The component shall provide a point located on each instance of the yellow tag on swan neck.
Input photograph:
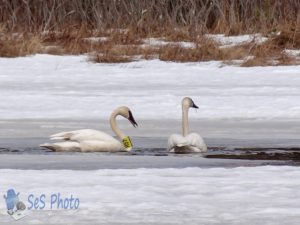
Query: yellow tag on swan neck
(127, 143)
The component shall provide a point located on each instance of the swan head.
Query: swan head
(125, 112)
(188, 103)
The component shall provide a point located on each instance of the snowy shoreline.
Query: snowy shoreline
(240, 195)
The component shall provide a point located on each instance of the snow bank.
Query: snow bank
(45, 86)
(259, 195)
(95, 39)
(160, 42)
(231, 41)
(292, 52)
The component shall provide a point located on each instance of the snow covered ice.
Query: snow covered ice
(55, 88)
(45, 86)
(243, 195)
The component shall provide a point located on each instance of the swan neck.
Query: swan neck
(185, 121)
(114, 126)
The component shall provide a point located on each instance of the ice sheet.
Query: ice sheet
(259, 195)
(46, 86)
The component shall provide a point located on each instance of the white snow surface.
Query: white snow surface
(292, 52)
(231, 41)
(47, 86)
(161, 42)
(241, 196)
(95, 39)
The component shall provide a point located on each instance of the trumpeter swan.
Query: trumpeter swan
(88, 140)
(187, 142)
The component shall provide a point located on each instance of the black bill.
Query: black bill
(132, 120)
(195, 106)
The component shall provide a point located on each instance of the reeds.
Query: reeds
(150, 16)
(64, 26)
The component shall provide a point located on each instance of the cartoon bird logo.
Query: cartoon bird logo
(13, 204)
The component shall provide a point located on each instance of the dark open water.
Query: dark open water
(230, 144)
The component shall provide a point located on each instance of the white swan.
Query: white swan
(186, 143)
(87, 140)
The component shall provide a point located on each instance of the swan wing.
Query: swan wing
(63, 146)
(101, 146)
(196, 142)
(176, 140)
(85, 140)
(190, 143)
(85, 146)
(82, 135)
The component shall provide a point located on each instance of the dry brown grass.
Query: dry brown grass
(204, 51)
(14, 45)
(272, 52)
(235, 53)
(60, 27)
(281, 60)
(129, 37)
(118, 50)
(176, 34)
(123, 53)
(287, 39)
(78, 42)
(225, 16)
(124, 45)
(110, 58)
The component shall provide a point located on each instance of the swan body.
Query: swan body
(88, 140)
(187, 142)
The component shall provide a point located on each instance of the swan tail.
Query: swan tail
(49, 146)
(57, 138)
(63, 146)
(61, 136)
(181, 144)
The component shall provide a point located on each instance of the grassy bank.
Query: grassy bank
(119, 29)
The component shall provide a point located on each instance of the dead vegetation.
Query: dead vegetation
(119, 47)
(119, 28)
(151, 16)
(272, 51)
(205, 50)
(19, 45)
